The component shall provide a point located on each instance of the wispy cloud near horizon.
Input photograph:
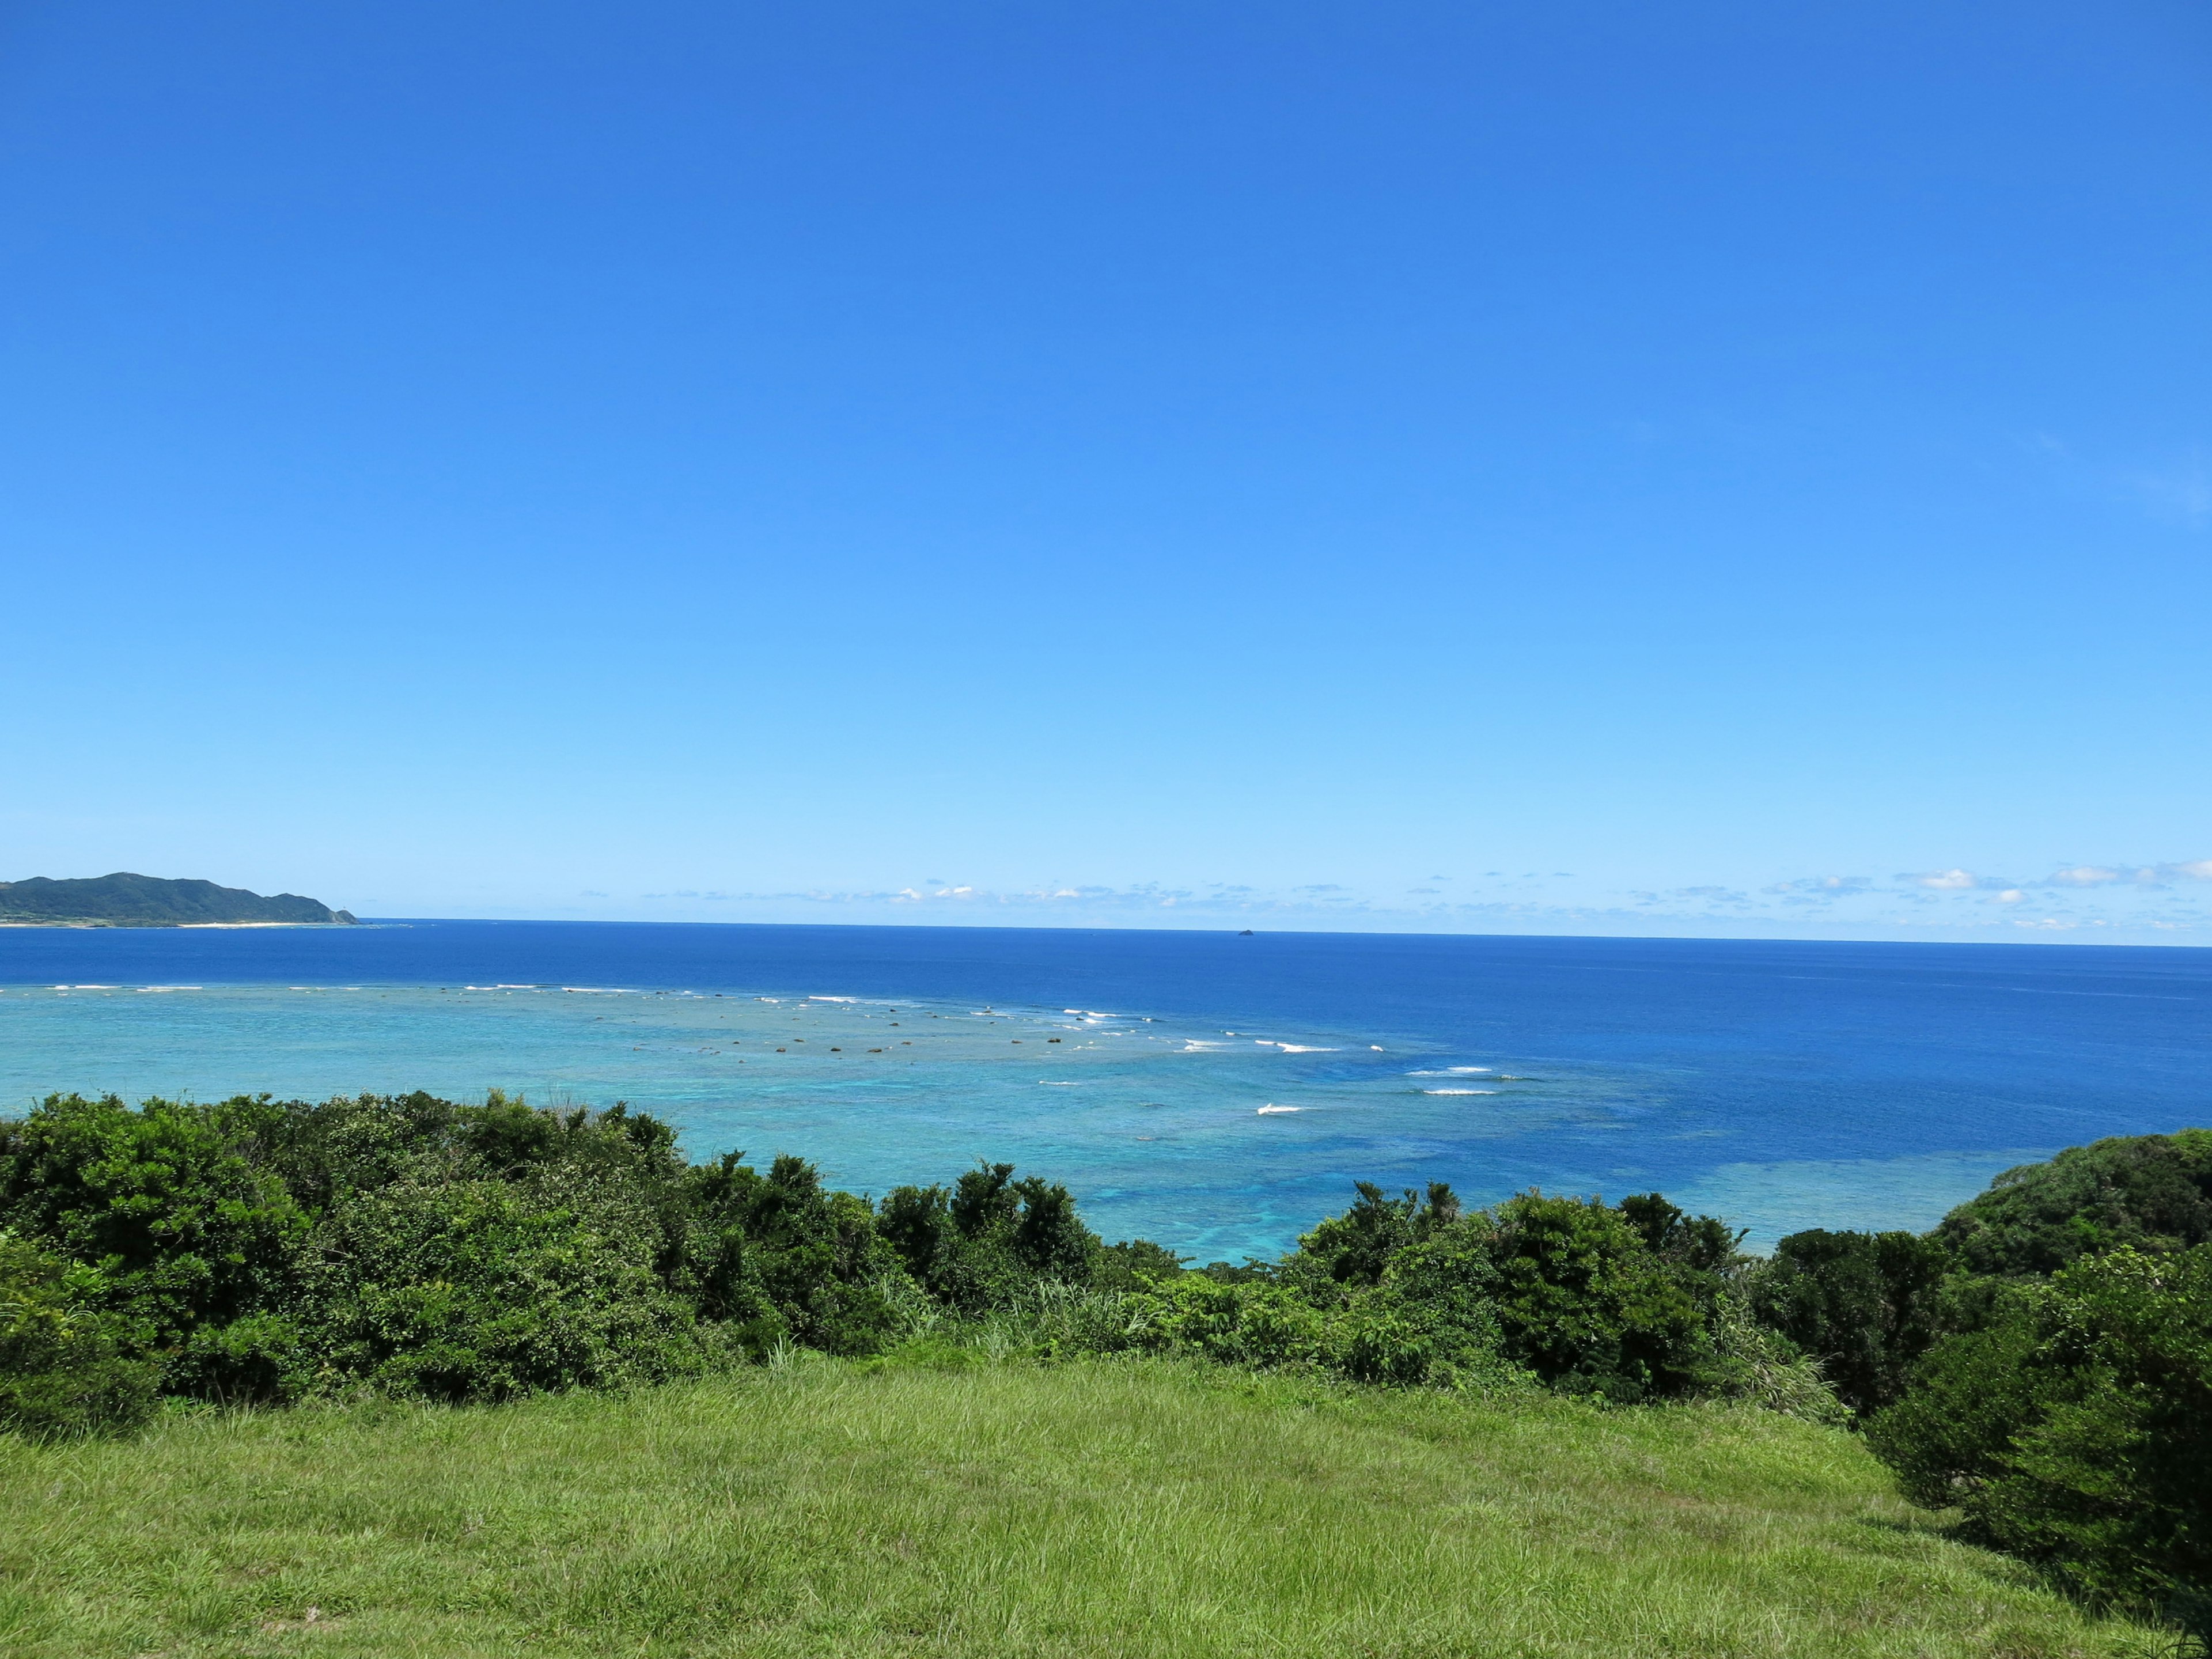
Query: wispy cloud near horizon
(2116, 899)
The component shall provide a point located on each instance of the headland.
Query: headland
(125, 900)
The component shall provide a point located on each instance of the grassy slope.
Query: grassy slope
(1122, 1508)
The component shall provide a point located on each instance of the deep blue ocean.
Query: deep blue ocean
(1217, 1092)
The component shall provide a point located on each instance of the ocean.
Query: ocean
(1217, 1092)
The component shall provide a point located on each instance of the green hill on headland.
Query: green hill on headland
(123, 900)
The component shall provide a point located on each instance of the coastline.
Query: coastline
(5, 922)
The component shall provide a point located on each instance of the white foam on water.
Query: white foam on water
(1270, 1109)
(195, 987)
(596, 990)
(833, 999)
(1459, 1092)
(95, 987)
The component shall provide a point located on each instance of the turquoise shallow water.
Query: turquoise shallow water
(1216, 1093)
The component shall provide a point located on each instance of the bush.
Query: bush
(1132, 1264)
(489, 1289)
(1864, 1306)
(1583, 1302)
(787, 1255)
(62, 1371)
(260, 1359)
(166, 1202)
(2076, 1431)
(1433, 1319)
(1355, 1249)
(2150, 1192)
(984, 1243)
(1751, 1362)
(1250, 1324)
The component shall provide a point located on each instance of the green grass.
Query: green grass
(1001, 1509)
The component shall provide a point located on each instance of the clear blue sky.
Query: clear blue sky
(1740, 468)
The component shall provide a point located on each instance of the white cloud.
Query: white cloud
(2158, 875)
(1807, 890)
(2146, 875)
(1944, 881)
(2085, 875)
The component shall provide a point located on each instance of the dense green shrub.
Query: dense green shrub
(1355, 1249)
(488, 1289)
(1258, 1325)
(170, 1202)
(1701, 1244)
(1864, 1305)
(980, 1244)
(1584, 1303)
(1132, 1263)
(2153, 1192)
(1413, 1291)
(1433, 1318)
(783, 1256)
(2077, 1430)
(63, 1370)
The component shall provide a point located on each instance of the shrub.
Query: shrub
(1434, 1317)
(1134, 1263)
(987, 1241)
(1257, 1325)
(62, 1371)
(259, 1359)
(1584, 1303)
(1864, 1305)
(2076, 1431)
(1355, 1249)
(1428, 1323)
(1701, 1244)
(488, 1289)
(166, 1202)
(2152, 1192)
(779, 1254)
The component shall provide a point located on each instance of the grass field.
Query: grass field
(826, 1508)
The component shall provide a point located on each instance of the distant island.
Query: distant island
(123, 900)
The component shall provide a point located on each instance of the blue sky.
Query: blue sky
(1713, 468)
